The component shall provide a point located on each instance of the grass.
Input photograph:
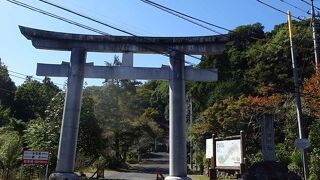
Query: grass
(199, 177)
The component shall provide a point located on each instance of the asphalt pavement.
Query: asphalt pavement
(158, 163)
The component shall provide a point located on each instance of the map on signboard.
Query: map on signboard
(228, 153)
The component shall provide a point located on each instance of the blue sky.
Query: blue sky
(131, 15)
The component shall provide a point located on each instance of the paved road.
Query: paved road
(157, 163)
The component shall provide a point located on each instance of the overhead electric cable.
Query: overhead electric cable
(306, 2)
(20, 77)
(87, 17)
(35, 78)
(24, 75)
(31, 77)
(183, 16)
(57, 17)
(296, 7)
(279, 10)
(7, 90)
(175, 12)
(118, 29)
(93, 29)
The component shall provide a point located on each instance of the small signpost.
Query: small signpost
(36, 158)
(226, 153)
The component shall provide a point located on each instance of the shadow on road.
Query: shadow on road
(156, 164)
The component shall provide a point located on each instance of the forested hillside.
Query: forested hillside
(121, 121)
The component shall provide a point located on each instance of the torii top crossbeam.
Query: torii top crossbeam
(198, 45)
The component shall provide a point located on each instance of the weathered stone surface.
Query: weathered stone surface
(127, 72)
(98, 43)
(63, 176)
(267, 138)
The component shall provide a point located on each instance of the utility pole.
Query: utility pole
(315, 37)
(297, 97)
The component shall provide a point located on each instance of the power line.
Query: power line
(179, 14)
(183, 16)
(7, 90)
(90, 28)
(175, 12)
(57, 17)
(306, 2)
(121, 30)
(103, 33)
(296, 7)
(279, 10)
(32, 77)
(100, 16)
(87, 17)
(25, 75)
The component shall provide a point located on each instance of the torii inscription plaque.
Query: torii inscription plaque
(78, 69)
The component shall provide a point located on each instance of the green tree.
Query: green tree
(115, 118)
(44, 133)
(90, 143)
(7, 88)
(32, 99)
(10, 152)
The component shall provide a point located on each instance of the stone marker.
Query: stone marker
(267, 138)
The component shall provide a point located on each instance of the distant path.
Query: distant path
(147, 170)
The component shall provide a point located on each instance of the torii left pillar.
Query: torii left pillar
(71, 117)
(177, 131)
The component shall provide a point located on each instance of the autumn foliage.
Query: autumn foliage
(311, 94)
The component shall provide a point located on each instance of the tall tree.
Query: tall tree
(33, 97)
(7, 88)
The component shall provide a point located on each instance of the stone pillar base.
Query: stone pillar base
(177, 178)
(63, 176)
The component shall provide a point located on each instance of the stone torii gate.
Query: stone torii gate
(78, 69)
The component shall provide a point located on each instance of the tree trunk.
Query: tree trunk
(7, 173)
(117, 143)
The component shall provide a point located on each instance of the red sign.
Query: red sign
(31, 161)
(35, 157)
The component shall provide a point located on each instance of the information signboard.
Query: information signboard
(35, 157)
(228, 153)
(209, 148)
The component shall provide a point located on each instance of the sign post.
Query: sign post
(36, 158)
(213, 174)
